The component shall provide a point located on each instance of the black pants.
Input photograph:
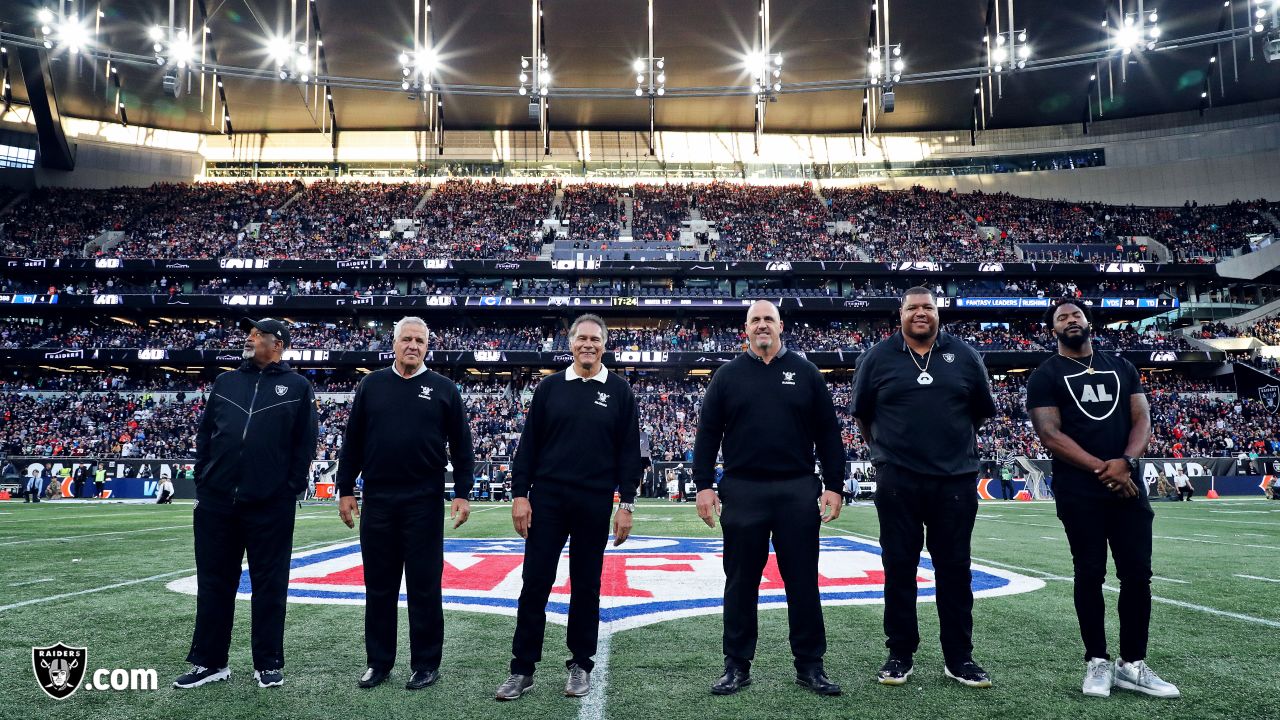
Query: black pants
(786, 511)
(1006, 489)
(223, 535)
(581, 517)
(402, 534)
(77, 488)
(907, 503)
(1185, 492)
(1125, 525)
(166, 498)
(97, 489)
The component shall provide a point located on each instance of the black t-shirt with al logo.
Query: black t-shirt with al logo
(1094, 409)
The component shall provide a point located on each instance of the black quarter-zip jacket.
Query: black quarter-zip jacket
(257, 436)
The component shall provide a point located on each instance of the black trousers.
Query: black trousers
(1125, 525)
(582, 518)
(224, 534)
(402, 535)
(166, 498)
(77, 488)
(754, 512)
(1006, 489)
(907, 503)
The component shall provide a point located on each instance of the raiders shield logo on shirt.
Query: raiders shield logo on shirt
(282, 389)
(1096, 393)
(1270, 397)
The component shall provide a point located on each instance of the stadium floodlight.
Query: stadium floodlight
(651, 79)
(1138, 31)
(63, 31)
(418, 65)
(279, 50)
(885, 65)
(1011, 52)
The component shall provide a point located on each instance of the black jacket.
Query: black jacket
(257, 436)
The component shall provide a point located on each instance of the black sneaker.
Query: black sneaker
(895, 671)
(199, 675)
(269, 678)
(968, 673)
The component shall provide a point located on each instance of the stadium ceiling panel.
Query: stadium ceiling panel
(591, 45)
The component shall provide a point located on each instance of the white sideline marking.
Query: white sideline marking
(1046, 537)
(77, 537)
(593, 704)
(32, 582)
(1015, 522)
(1204, 535)
(1204, 609)
(1048, 576)
(74, 517)
(1215, 542)
(63, 596)
(1255, 577)
(1172, 580)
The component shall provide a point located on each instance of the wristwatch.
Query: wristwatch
(1133, 463)
(628, 506)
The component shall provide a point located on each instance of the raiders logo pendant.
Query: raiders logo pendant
(925, 379)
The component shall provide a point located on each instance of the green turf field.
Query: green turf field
(95, 576)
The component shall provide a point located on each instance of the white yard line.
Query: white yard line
(32, 582)
(1015, 522)
(1167, 601)
(77, 537)
(161, 576)
(1256, 577)
(1215, 542)
(1172, 580)
(4, 523)
(593, 704)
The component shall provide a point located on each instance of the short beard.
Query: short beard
(1075, 342)
(919, 336)
(247, 355)
(764, 343)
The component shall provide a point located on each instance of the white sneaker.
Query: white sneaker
(1137, 676)
(1099, 675)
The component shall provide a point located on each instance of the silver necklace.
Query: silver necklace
(924, 378)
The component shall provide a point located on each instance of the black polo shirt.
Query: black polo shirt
(928, 429)
(1094, 407)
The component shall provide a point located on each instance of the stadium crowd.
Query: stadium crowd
(474, 219)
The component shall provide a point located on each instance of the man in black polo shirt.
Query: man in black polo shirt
(769, 408)
(581, 441)
(1091, 412)
(406, 423)
(919, 398)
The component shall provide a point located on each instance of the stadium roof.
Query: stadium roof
(591, 44)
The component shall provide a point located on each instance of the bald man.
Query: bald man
(769, 409)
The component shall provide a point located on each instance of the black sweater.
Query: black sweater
(398, 432)
(580, 433)
(769, 418)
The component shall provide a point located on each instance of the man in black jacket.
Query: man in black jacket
(581, 441)
(403, 419)
(770, 408)
(254, 448)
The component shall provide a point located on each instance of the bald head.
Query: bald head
(764, 328)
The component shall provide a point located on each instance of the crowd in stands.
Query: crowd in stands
(915, 224)
(482, 220)
(686, 336)
(657, 212)
(1267, 330)
(767, 222)
(487, 219)
(1186, 422)
(592, 211)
